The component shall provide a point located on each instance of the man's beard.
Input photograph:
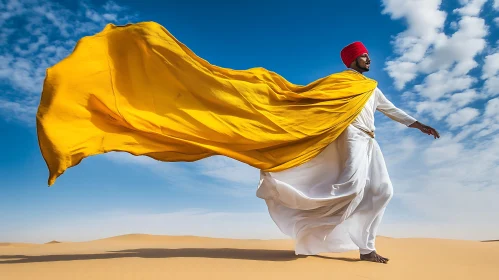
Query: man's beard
(358, 66)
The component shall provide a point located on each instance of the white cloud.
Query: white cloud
(424, 17)
(48, 32)
(462, 99)
(492, 109)
(93, 15)
(443, 150)
(472, 7)
(458, 50)
(17, 111)
(57, 16)
(438, 110)
(404, 150)
(438, 84)
(491, 66)
(491, 86)
(462, 117)
(456, 173)
(446, 83)
(30, 47)
(111, 6)
(441, 178)
(425, 23)
(424, 48)
(109, 17)
(401, 71)
(490, 72)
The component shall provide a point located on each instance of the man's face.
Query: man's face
(363, 62)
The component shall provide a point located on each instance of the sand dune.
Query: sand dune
(139, 256)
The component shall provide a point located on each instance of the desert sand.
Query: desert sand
(139, 256)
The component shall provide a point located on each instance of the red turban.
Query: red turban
(351, 52)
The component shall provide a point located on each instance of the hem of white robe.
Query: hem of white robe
(361, 251)
(311, 253)
(273, 195)
(308, 252)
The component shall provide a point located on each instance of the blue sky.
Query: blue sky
(437, 60)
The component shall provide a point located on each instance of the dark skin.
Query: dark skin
(362, 65)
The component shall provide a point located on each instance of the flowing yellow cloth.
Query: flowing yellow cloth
(137, 89)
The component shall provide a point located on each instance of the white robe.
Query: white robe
(335, 202)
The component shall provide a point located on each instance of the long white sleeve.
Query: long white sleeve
(386, 107)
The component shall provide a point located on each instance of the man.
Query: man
(336, 201)
(323, 176)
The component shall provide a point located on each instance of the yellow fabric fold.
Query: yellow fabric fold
(137, 89)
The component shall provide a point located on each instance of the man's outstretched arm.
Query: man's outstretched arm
(386, 107)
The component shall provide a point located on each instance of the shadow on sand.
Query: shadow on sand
(159, 253)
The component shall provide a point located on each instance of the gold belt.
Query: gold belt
(370, 133)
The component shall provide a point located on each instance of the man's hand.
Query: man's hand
(426, 129)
